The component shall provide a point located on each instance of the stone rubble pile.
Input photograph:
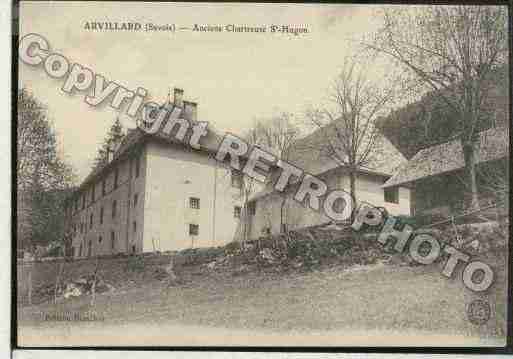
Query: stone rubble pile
(84, 286)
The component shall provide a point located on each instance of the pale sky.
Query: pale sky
(234, 77)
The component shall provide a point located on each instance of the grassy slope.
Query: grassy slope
(387, 299)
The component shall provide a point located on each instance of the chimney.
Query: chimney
(178, 97)
(190, 110)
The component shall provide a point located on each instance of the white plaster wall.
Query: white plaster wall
(368, 189)
(173, 175)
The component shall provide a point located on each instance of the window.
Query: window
(236, 179)
(136, 198)
(137, 166)
(252, 208)
(90, 248)
(194, 202)
(92, 193)
(91, 220)
(114, 208)
(134, 225)
(133, 249)
(392, 195)
(80, 250)
(116, 178)
(100, 239)
(193, 229)
(104, 187)
(83, 201)
(236, 211)
(101, 215)
(81, 227)
(112, 240)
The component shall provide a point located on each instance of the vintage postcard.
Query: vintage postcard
(261, 175)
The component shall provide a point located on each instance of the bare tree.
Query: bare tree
(278, 135)
(494, 175)
(347, 124)
(247, 185)
(453, 51)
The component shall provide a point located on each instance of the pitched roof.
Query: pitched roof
(447, 157)
(209, 143)
(309, 154)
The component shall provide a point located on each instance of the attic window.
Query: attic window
(392, 195)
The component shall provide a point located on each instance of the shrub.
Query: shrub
(135, 264)
(232, 248)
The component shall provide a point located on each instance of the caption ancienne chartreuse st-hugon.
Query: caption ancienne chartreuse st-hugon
(253, 161)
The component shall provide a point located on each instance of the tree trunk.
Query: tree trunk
(282, 214)
(471, 197)
(352, 187)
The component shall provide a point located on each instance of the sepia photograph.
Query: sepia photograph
(261, 175)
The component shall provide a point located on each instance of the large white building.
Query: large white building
(269, 208)
(157, 194)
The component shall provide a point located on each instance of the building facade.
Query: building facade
(156, 194)
(436, 174)
(269, 211)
